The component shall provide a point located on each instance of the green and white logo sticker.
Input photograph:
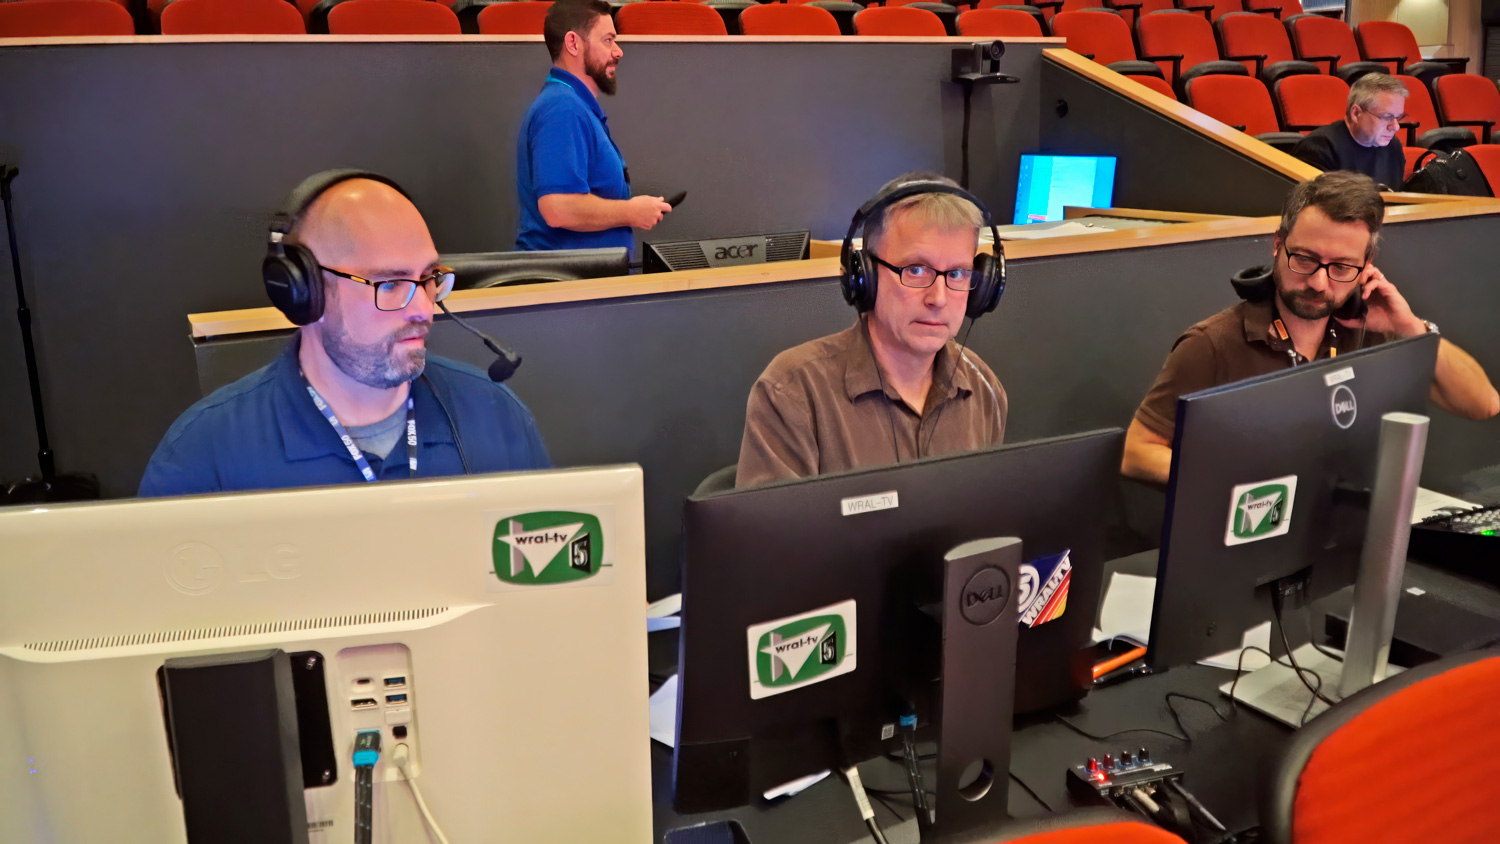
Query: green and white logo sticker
(1260, 510)
(800, 650)
(548, 548)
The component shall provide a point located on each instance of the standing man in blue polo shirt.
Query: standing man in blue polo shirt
(355, 396)
(573, 185)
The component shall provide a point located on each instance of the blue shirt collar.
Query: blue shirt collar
(306, 435)
(580, 89)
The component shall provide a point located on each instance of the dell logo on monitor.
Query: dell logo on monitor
(1344, 407)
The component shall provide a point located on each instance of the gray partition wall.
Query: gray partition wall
(1163, 164)
(149, 172)
(1076, 341)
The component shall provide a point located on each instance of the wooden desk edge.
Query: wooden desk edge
(223, 323)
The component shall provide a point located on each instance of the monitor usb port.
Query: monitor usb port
(395, 682)
(394, 699)
(362, 703)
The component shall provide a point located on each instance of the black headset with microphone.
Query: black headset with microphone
(294, 281)
(859, 274)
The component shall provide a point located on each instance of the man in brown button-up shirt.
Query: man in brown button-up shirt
(1329, 228)
(894, 386)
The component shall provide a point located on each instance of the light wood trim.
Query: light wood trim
(221, 323)
(1074, 212)
(71, 41)
(1238, 141)
(825, 248)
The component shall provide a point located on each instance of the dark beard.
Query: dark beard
(1316, 306)
(373, 365)
(600, 74)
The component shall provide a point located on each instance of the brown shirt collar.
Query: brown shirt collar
(861, 376)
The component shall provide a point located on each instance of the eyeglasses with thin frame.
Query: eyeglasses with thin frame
(1308, 265)
(922, 276)
(1385, 118)
(394, 294)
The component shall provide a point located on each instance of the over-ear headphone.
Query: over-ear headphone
(290, 270)
(1256, 284)
(859, 274)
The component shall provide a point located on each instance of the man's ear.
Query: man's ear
(1275, 244)
(573, 43)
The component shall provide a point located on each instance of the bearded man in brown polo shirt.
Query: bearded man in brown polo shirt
(894, 386)
(1322, 252)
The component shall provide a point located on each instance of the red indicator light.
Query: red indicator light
(1099, 776)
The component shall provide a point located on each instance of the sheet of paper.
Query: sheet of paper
(1127, 607)
(1429, 503)
(664, 712)
(670, 605)
(1259, 636)
(654, 624)
(787, 789)
(1061, 230)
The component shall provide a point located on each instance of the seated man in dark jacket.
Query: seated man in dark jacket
(355, 396)
(1365, 140)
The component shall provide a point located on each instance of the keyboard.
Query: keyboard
(1465, 541)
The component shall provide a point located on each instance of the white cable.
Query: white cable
(401, 757)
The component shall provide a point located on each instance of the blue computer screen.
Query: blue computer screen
(1048, 182)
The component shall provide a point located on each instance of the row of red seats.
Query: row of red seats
(41, 18)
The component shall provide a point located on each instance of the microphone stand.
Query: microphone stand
(50, 487)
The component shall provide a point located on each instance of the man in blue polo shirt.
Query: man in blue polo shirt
(573, 186)
(354, 396)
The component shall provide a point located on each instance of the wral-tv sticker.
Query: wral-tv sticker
(800, 650)
(1260, 510)
(549, 548)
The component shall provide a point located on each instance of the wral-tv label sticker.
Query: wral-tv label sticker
(1043, 595)
(550, 548)
(1260, 510)
(800, 650)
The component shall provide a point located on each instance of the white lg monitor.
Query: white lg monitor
(509, 608)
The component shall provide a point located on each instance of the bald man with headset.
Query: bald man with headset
(894, 386)
(355, 396)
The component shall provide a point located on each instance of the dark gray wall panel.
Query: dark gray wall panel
(1163, 165)
(149, 172)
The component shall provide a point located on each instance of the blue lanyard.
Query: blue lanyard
(348, 441)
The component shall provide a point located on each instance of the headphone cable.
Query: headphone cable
(952, 370)
(864, 321)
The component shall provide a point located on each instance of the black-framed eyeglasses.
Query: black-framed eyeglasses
(1385, 118)
(1308, 265)
(922, 276)
(393, 294)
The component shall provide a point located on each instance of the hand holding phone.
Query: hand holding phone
(676, 199)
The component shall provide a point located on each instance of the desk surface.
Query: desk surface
(1225, 754)
(219, 324)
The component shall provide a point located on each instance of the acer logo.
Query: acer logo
(724, 253)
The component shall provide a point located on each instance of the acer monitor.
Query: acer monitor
(1270, 482)
(1049, 182)
(491, 623)
(661, 257)
(846, 563)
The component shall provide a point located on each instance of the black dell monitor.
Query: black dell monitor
(480, 270)
(865, 545)
(1270, 484)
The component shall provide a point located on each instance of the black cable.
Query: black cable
(878, 797)
(875, 832)
(1082, 732)
(879, 376)
(1029, 790)
(963, 148)
(1286, 643)
(1307, 611)
(366, 754)
(952, 370)
(1207, 703)
(914, 775)
(1239, 670)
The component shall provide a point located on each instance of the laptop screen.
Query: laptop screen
(1048, 182)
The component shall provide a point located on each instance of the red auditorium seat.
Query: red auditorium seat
(1393, 43)
(1051, 8)
(998, 23)
(393, 17)
(1212, 9)
(877, 20)
(781, 19)
(657, 18)
(1427, 132)
(1464, 99)
(1278, 9)
(520, 17)
(1261, 43)
(1010, 5)
(1156, 84)
(1241, 102)
(1331, 42)
(1185, 42)
(231, 17)
(1425, 725)
(1082, 826)
(1104, 38)
(1307, 102)
(58, 18)
(1488, 156)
